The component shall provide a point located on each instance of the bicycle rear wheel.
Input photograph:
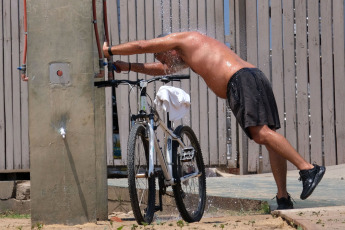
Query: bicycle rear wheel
(141, 187)
(190, 195)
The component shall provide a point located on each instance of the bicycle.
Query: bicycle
(182, 166)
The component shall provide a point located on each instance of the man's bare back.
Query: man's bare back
(209, 58)
(212, 60)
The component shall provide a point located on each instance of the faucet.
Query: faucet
(63, 132)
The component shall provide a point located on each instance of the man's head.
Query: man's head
(170, 57)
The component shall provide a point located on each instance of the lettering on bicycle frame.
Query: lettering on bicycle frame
(169, 144)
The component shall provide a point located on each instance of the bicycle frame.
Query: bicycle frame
(181, 159)
(164, 160)
(148, 120)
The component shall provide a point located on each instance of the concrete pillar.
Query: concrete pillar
(68, 176)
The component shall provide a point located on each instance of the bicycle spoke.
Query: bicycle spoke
(141, 187)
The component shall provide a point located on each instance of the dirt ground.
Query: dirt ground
(121, 221)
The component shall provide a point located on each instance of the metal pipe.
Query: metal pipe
(23, 67)
(110, 59)
(105, 17)
(100, 55)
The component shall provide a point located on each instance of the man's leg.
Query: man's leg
(278, 144)
(279, 170)
(310, 174)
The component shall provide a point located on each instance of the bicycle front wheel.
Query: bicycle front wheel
(141, 187)
(190, 194)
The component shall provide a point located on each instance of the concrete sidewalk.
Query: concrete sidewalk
(330, 191)
(317, 212)
(332, 217)
(324, 209)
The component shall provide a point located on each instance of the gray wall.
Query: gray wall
(68, 176)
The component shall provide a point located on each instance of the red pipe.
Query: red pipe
(100, 55)
(110, 59)
(23, 67)
(105, 14)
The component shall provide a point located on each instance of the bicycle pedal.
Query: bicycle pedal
(188, 148)
(187, 154)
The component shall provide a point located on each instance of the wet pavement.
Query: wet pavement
(329, 192)
(324, 209)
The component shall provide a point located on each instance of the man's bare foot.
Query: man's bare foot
(105, 50)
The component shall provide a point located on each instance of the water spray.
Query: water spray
(63, 132)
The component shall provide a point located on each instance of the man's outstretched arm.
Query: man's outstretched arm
(154, 69)
(156, 45)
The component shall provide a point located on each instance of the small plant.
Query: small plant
(134, 226)
(299, 228)
(265, 208)
(20, 227)
(159, 222)
(292, 223)
(38, 225)
(180, 223)
(144, 224)
(222, 226)
(10, 214)
(120, 228)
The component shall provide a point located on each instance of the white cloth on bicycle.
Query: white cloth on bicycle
(173, 100)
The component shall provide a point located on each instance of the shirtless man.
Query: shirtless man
(246, 88)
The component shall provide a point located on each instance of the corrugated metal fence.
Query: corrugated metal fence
(14, 140)
(282, 37)
(299, 45)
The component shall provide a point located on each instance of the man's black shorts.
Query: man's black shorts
(251, 99)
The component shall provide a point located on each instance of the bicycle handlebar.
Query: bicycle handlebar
(164, 79)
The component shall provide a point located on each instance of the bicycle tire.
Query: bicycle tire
(189, 201)
(141, 189)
